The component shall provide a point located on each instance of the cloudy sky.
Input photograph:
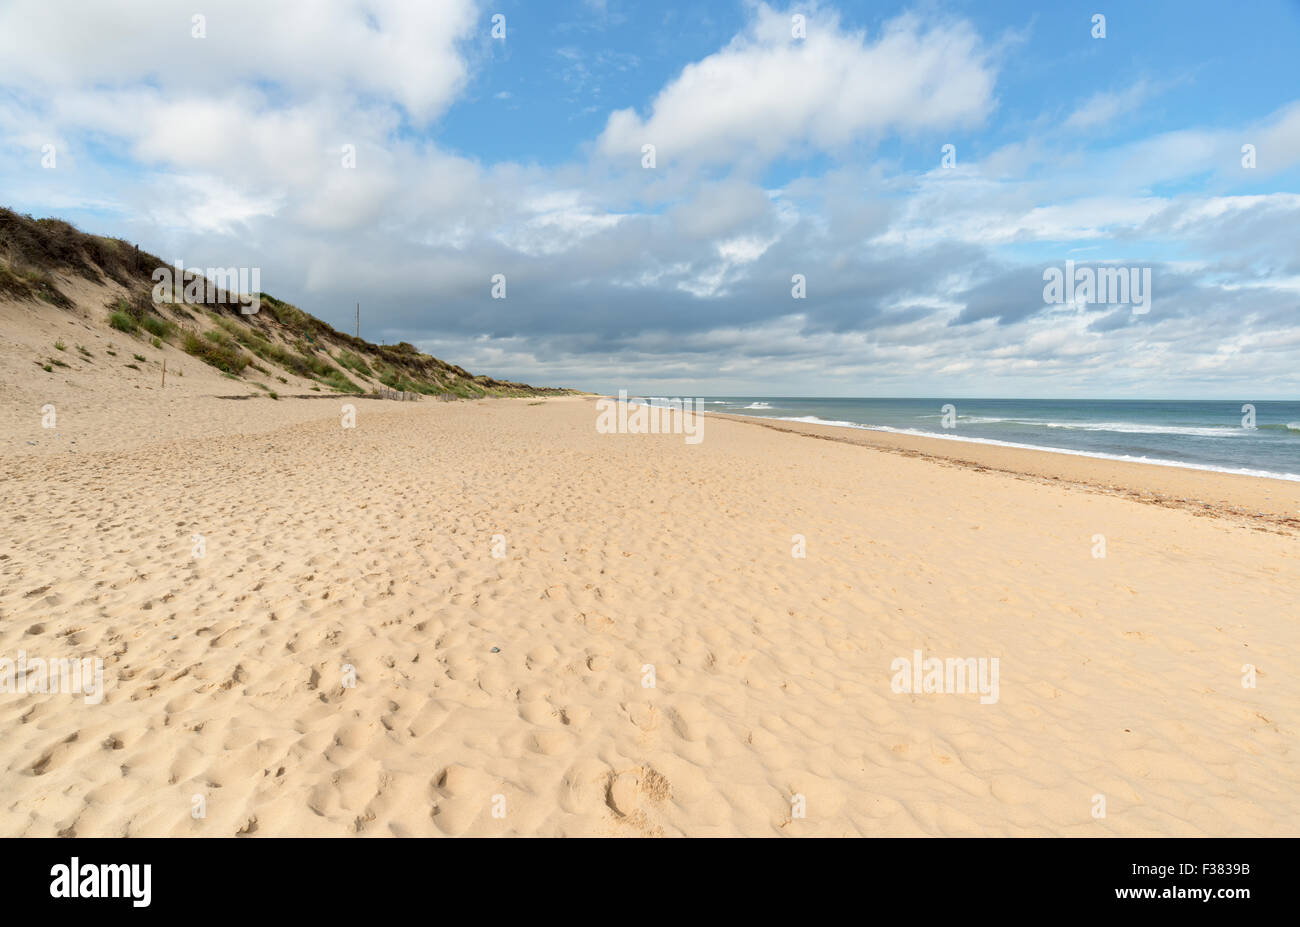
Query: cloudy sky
(775, 154)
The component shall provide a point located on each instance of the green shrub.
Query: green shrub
(303, 362)
(216, 351)
(60, 346)
(355, 362)
(338, 381)
(159, 328)
(122, 322)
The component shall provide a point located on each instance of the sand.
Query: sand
(507, 694)
(373, 547)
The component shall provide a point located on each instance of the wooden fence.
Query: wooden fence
(381, 392)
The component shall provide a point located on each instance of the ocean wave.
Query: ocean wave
(814, 420)
(1136, 428)
(759, 405)
(976, 419)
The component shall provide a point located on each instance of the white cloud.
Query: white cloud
(767, 94)
(399, 50)
(207, 204)
(1103, 108)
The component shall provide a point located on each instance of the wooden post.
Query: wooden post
(358, 320)
(164, 380)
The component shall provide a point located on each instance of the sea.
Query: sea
(1256, 438)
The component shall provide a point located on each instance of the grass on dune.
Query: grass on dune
(219, 351)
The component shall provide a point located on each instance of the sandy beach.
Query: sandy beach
(485, 618)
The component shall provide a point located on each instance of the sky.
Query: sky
(803, 229)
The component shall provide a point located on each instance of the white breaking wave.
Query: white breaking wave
(1136, 428)
(1204, 431)
(814, 420)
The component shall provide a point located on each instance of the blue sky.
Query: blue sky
(569, 69)
(776, 155)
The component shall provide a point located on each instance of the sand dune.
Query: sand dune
(506, 695)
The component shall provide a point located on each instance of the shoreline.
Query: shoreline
(1067, 451)
(1264, 503)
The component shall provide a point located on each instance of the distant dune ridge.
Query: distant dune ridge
(114, 283)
